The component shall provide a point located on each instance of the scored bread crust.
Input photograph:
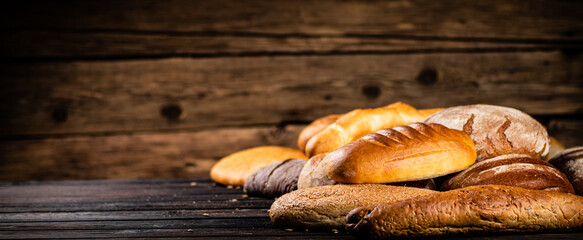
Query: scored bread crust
(404, 153)
(496, 130)
(327, 206)
(518, 170)
(235, 168)
(475, 209)
(360, 122)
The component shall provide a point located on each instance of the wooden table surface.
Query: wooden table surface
(178, 208)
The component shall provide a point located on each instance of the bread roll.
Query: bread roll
(327, 206)
(570, 162)
(475, 209)
(314, 173)
(313, 128)
(404, 153)
(517, 170)
(496, 130)
(360, 122)
(234, 169)
(275, 179)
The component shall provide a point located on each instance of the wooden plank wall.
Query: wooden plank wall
(162, 89)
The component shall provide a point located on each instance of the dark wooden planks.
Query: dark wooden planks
(136, 156)
(22, 217)
(550, 20)
(194, 94)
(231, 221)
(63, 45)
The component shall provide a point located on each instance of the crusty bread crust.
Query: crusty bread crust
(235, 168)
(313, 128)
(484, 208)
(404, 153)
(496, 130)
(516, 170)
(359, 122)
(327, 206)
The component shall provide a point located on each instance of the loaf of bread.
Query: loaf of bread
(314, 173)
(475, 209)
(359, 122)
(404, 153)
(327, 206)
(275, 179)
(555, 148)
(235, 168)
(517, 170)
(313, 128)
(496, 130)
(570, 162)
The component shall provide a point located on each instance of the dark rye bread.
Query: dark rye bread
(275, 179)
(327, 206)
(496, 130)
(517, 170)
(570, 162)
(475, 209)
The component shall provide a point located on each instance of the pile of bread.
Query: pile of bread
(401, 171)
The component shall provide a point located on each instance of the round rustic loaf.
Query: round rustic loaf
(235, 168)
(275, 179)
(496, 130)
(516, 170)
(570, 162)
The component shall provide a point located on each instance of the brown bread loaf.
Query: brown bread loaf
(404, 153)
(327, 206)
(555, 148)
(570, 162)
(235, 168)
(313, 128)
(359, 122)
(475, 209)
(275, 179)
(314, 173)
(496, 130)
(517, 170)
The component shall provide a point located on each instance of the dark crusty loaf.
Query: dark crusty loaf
(570, 162)
(404, 153)
(275, 179)
(327, 206)
(517, 170)
(496, 130)
(484, 208)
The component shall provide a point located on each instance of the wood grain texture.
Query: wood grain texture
(64, 45)
(152, 209)
(135, 156)
(193, 94)
(162, 155)
(539, 19)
